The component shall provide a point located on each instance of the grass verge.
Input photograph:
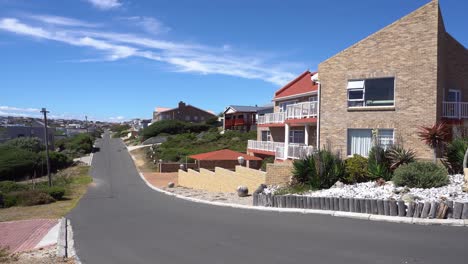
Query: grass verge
(78, 180)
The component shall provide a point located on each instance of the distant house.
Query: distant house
(183, 112)
(243, 118)
(36, 130)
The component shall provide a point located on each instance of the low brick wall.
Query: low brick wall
(435, 210)
(278, 173)
(174, 167)
(222, 180)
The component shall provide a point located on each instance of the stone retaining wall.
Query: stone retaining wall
(434, 210)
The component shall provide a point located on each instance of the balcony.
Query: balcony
(301, 110)
(295, 151)
(273, 118)
(456, 110)
(264, 145)
(294, 111)
(299, 151)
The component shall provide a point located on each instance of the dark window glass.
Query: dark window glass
(356, 94)
(380, 92)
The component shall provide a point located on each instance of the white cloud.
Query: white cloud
(148, 24)
(18, 109)
(105, 4)
(117, 118)
(61, 21)
(181, 57)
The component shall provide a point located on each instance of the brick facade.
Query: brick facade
(183, 112)
(423, 59)
(278, 173)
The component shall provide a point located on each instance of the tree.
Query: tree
(32, 144)
(435, 136)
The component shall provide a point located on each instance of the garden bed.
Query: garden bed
(371, 190)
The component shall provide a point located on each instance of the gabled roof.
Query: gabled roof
(301, 85)
(224, 154)
(162, 109)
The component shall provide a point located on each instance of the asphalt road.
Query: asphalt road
(121, 220)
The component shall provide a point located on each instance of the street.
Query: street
(121, 220)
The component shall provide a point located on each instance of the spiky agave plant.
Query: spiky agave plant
(397, 156)
(455, 155)
(435, 136)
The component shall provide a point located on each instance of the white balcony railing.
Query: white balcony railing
(264, 145)
(457, 110)
(272, 118)
(299, 151)
(301, 110)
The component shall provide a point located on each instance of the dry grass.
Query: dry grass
(76, 189)
(141, 161)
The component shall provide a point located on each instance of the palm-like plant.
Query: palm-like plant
(397, 156)
(435, 136)
(455, 155)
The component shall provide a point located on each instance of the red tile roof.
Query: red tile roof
(224, 154)
(302, 84)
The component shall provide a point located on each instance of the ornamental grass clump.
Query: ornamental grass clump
(421, 175)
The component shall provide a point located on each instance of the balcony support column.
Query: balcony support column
(306, 134)
(286, 140)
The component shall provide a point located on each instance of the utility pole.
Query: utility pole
(46, 140)
(86, 118)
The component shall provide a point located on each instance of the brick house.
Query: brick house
(183, 112)
(290, 131)
(243, 118)
(411, 73)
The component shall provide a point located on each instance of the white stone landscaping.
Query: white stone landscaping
(370, 190)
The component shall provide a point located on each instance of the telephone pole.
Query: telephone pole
(46, 140)
(86, 118)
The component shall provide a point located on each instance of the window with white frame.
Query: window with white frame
(360, 140)
(284, 105)
(296, 136)
(313, 98)
(371, 92)
(266, 135)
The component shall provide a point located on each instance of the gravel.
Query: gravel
(370, 190)
(232, 198)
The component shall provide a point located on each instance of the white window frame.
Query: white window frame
(285, 104)
(291, 136)
(353, 85)
(348, 150)
(268, 136)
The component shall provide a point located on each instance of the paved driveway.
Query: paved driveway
(121, 220)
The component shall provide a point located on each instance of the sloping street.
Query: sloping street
(121, 220)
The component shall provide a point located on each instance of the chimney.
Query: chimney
(181, 105)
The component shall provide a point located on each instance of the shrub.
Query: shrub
(29, 198)
(421, 175)
(1, 200)
(11, 186)
(56, 192)
(435, 136)
(172, 127)
(397, 156)
(265, 161)
(58, 160)
(16, 163)
(32, 144)
(319, 170)
(377, 165)
(454, 155)
(356, 169)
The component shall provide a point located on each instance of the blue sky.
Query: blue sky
(118, 59)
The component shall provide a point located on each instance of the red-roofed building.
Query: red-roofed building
(290, 131)
(225, 158)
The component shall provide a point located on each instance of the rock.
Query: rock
(393, 207)
(425, 210)
(171, 185)
(401, 208)
(457, 210)
(433, 211)
(411, 209)
(449, 209)
(380, 207)
(260, 188)
(465, 188)
(407, 198)
(242, 191)
(338, 184)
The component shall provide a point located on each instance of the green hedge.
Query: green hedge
(172, 127)
(28, 198)
(16, 163)
(356, 169)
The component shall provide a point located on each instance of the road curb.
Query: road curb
(381, 218)
(65, 242)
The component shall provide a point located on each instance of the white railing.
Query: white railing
(455, 109)
(264, 145)
(301, 110)
(299, 151)
(272, 118)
